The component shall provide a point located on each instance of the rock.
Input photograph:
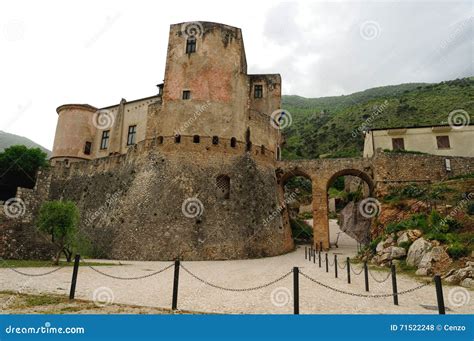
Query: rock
(422, 272)
(379, 247)
(396, 262)
(354, 224)
(384, 257)
(467, 283)
(403, 238)
(397, 252)
(388, 242)
(414, 234)
(453, 279)
(471, 264)
(416, 251)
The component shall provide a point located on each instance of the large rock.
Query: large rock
(468, 283)
(397, 252)
(403, 238)
(355, 224)
(416, 251)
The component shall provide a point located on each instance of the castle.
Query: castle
(195, 171)
(202, 180)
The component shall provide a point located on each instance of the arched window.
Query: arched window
(223, 186)
(196, 139)
(191, 45)
(177, 138)
(215, 140)
(233, 142)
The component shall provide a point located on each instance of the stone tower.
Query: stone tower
(188, 173)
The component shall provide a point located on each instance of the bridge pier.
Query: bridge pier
(320, 214)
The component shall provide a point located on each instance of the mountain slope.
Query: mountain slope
(7, 140)
(332, 125)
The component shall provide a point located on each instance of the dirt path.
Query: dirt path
(156, 291)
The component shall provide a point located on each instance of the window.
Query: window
(278, 154)
(177, 138)
(87, 148)
(186, 94)
(160, 139)
(104, 142)
(215, 140)
(132, 135)
(398, 144)
(191, 45)
(443, 142)
(223, 186)
(258, 91)
(233, 142)
(196, 139)
(262, 150)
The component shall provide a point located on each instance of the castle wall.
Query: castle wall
(132, 204)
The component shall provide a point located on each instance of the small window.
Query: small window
(215, 140)
(278, 154)
(191, 45)
(104, 142)
(132, 135)
(258, 91)
(177, 138)
(233, 142)
(223, 186)
(262, 150)
(443, 142)
(186, 94)
(87, 148)
(160, 139)
(196, 139)
(398, 144)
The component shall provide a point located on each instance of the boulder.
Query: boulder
(388, 242)
(354, 224)
(403, 238)
(434, 260)
(414, 234)
(416, 251)
(379, 247)
(422, 272)
(397, 252)
(467, 283)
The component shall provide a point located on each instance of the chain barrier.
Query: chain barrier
(330, 264)
(378, 280)
(341, 265)
(30, 275)
(129, 278)
(356, 273)
(363, 295)
(234, 289)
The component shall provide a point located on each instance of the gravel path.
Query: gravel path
(156, 291)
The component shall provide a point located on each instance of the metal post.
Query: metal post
(439, 295)
(309, 254)
(296, 291)
(72, 293)
(314, 256)
(348, 260)
(319, 258)
(174, 304)
(366, 273)
(335, 266)
(321, 245)
(327, 263)
(305, 252)
(394, 284)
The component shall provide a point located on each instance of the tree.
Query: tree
(18, 167)
(59, 219)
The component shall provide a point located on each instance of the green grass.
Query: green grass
(13, 263)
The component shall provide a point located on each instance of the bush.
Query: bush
(457, 250)
(373, 244)
(412, 191)
(405, 245)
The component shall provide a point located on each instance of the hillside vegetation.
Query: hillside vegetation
(8, 140)
(331, 126)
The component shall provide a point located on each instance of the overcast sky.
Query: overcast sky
(97, 52)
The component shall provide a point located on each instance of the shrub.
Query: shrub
(412, 191)
(373, 244)
(457, 250)
(405, 245)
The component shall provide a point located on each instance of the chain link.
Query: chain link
(35, 275)
(233, 289)
(343, 266)
(356, 273)
(130, 278)
(380, 281)
(363, 295)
